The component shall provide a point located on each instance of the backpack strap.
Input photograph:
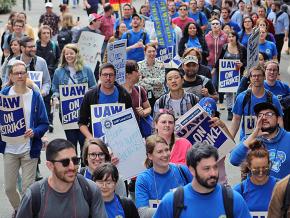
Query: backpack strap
(269, 96)
(144, 37)
(162, 101)
(83, 171)
(193, 100)
(228, 200)
(128, 206)
(204, 80)
(35, 199)
(242, 189)
(178, 202)
(182, 173)
(53, 47)
(86, 191)
(286, 200)
(246, 99)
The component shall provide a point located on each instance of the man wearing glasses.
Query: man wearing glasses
(275, 138)
(63, 193)
(183, 18)
(108, 91)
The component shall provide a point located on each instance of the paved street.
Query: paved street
(33, 17)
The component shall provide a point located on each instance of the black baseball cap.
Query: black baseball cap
(264, 106)
(136, 15)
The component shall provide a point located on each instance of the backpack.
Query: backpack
(228, 200)
(143, 37)
(162, 100)
(36, 195)
(64, 37)
(286, 200)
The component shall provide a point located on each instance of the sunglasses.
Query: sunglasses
(166, 111)
(260, 171)
(65, 162)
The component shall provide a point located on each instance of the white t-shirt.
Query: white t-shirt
(176, 107)
(27, 100)
(72, 73)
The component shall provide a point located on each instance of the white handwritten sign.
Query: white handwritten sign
(36, 77)
(71, 97)
(12, 119)
(90, 45)
(124, 137)
(194, 125)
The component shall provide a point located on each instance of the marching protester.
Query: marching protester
(126, 18)
(198, 16)
(194, 198)
(65, 34)
(96, 152)
(72, 71)
(171, 7)
(243, 110)
(225, 18)
(176, 100)
(106, 176)
(273, 136)
(182, 20)
(92, 6)
(256, 184)
(23, 155)
(263, 15)
(62, 188)
(159, 178)
(28, 30)
(262, 24)
(266, 47)
(108, 91)
(247, 29)
(152, 74)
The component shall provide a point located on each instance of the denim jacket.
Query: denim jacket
(62, 77)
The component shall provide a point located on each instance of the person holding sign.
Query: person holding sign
(257, 186)
(108, 91)
(22, 154)
(72, 71)
(267, 47)
(106, 177)
(159, 178)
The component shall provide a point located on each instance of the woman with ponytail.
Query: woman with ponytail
(159, 178)
(257, 186)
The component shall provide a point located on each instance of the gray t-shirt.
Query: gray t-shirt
(71, 204)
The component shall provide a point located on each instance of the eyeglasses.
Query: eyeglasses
(65, 162)
(93, 155)
(267, 114)
(182, 9)
(260, 171)
(31, 46)
(22, 73)
(19, 26)
(247, 21)
(272, 70)
(106, 75)
(257, 75)
(215, 24)
(108, 184)
(166, 111)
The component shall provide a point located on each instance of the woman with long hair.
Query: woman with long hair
(65, 34)
(262, 23)
(159, 178)
(235, 51)
(267, 47)
(247, 30)
(193, 38)
(257, 186)
(71, 71)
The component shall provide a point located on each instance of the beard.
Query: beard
(270, 129)
(204, 182)
(61, 175)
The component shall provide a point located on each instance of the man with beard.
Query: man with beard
(203, 196)
(245, 102)
(275, 138)
(136, 40)
(194, 83)
(63, 193)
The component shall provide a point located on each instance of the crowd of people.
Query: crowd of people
(181, 179)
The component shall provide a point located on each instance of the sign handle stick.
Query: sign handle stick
(120, 7)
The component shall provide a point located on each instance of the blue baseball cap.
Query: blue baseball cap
(209, 105)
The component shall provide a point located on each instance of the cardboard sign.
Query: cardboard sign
(124, 137)
(100, 111)
(253, 49)
(149, 28)
(12, 119)
(165, 54)
(194, 125)
(117, 56)
(90, 45)
(36, 77)
(160, 17)
(229, 76)
(71, 98)
(259, 214)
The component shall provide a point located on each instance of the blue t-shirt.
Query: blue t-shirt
(269, 48)
(127, 21)
(257, 197)
(136, 54)
(112, 98)
(151, 185)
(202, 205)
(249, 116)
(244, 38)
(114, 208)
(280, 89)
(234, 26)
(193, 43)
(199, 17)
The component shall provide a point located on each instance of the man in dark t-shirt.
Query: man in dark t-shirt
(194, 83)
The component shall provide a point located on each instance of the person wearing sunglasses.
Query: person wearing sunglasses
(96, 152)
(106, 177)
(64, 193)
(160, 177)
(274, 137)
(182, 20)
(23, 155)
(257, 186)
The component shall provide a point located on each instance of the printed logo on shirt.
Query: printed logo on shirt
(249, 125)
(277, 158)
(154, 203)
(222, 216)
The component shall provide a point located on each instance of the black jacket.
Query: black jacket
(129, 207)
(92, 97)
